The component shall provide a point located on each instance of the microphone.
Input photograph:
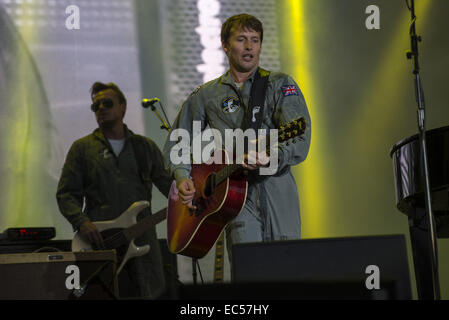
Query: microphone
(146, 103)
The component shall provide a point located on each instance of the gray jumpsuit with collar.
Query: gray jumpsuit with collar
(271, 211)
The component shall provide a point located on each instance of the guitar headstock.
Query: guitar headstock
(292, 129)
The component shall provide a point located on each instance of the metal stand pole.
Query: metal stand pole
(194, 270)
(413, 54)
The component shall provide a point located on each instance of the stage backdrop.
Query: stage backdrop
(357, 83)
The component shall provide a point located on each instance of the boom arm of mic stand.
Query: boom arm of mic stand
(165, 124)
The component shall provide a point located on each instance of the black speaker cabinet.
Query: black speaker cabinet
(35, 246)
(373, 267)
(44, 275)
(169, 260)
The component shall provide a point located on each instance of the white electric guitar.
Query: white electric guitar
(119, 234)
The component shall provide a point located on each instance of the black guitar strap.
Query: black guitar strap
(254, 121)
(254, 116)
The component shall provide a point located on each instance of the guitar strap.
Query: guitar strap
(254, 121)
(254, 115)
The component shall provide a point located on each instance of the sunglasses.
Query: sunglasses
(107, 103)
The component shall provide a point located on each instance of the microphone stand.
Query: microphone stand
(82, 289)
(413, 55)
(194, 261)
(166, 126)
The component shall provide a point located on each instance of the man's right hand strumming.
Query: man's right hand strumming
(186, 190)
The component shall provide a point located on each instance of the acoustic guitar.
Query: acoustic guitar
(220, 196)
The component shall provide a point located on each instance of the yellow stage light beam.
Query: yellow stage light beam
(26, 124)
(379, 106)
(309, 174)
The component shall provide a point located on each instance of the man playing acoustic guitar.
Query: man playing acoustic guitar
(271, 211)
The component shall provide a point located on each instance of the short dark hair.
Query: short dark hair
(100, 86)
(244, 21)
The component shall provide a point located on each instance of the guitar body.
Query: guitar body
(194, 233)
(220, 196)
(108, 229)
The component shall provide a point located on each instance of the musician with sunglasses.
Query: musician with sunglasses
(101, 179)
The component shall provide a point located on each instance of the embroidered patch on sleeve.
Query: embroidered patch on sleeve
(289, 90)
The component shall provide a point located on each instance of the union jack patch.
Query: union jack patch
(289, 90)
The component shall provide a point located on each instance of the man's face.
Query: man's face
(105, 115)
(243, 49)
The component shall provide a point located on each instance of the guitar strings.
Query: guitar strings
(117, 239)
(114, 241)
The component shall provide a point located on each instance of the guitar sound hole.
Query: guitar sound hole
(209, 187)
(202, 202)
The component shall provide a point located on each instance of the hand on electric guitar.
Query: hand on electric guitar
(118, 234)
(91, 233)
(187, 191)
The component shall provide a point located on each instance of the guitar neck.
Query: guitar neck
(289, 130)
(142, 225)
(227, 171)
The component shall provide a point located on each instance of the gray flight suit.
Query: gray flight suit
(271, 211)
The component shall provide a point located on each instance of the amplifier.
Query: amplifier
(54, 275)
(371, 267)
(28, 234)
(35, 246)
